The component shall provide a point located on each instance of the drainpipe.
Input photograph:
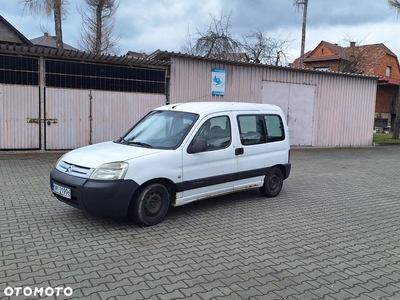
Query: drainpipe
(90, 117)
(167, 87)
(42, 112)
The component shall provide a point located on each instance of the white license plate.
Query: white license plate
(61, 190)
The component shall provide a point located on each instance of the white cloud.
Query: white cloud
(163, 24)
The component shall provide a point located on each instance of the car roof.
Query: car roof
(205, 108)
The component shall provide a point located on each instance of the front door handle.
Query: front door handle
(239, 151)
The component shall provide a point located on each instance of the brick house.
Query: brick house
(376, 60)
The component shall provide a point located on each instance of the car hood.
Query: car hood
(95, 155)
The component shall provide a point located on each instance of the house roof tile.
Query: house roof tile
(369, 57)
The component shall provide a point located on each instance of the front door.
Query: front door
(214, 171)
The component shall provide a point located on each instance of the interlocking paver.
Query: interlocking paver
(332, 233)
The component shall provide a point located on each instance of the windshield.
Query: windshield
(160, 130)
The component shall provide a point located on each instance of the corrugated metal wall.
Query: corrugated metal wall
(114, 113)
(343, 105)
(343, 109)
(19, 105)
(86, 117)
(71, 110)
(191, 81)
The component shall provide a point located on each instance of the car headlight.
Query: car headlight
(110, 171)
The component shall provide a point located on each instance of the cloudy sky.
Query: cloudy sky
(148, 25)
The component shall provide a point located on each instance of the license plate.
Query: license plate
(62, 191)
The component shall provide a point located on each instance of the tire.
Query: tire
(273, 182)
(151, 205)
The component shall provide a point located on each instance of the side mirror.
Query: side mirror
(197, 145)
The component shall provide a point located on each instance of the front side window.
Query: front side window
(160, 130)
(217, 132)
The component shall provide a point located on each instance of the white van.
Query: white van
(175, 155)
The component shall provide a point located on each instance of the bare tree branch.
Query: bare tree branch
(98, 24)
(57, 7)
(261, 48)
(216, 41)
(395, 4)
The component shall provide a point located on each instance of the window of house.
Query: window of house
(388, 70)
(321, 68)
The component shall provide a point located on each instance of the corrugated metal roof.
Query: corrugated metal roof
(165, 55)
(78, 55)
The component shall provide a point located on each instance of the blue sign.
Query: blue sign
(218, 82)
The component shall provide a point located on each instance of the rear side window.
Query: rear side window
(260, 129)
(275, 128)
(252, 129)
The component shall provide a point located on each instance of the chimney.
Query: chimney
(352, 44)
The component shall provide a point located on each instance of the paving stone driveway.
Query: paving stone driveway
(333, 233)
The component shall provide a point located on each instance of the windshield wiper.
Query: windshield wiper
(139, 144)
(121, 140)
(124, 141)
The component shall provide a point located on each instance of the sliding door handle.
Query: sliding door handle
(239, 151)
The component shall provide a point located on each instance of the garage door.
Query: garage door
(297, 102)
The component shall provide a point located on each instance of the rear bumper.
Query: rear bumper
(99, 197)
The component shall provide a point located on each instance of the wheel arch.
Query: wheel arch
(171, 187)
(283, 170)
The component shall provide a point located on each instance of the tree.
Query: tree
(98, 23)
(298, 3)
(395, 4)
(216, 41)
(38, 7)
(356, 55)
(261, 48)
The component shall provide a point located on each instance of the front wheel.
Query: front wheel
(273, 182)
(151, 205)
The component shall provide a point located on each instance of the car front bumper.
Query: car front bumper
(99, 197)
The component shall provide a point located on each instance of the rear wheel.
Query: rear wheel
(273, 182)
(151, 205)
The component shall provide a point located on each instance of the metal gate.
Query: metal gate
(76, 118)
(297, 102)
(67, 124)
(19, 117)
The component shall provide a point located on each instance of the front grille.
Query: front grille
(74, 170)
